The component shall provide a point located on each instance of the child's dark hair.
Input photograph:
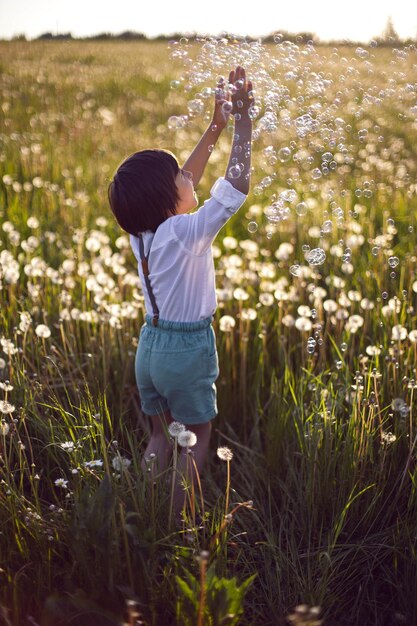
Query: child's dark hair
(143, 193)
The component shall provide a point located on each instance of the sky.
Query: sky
(358, 20)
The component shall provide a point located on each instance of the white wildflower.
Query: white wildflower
(61, 482)
(94, 463)
(68, 445)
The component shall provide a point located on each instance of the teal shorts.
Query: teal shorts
(176, 367)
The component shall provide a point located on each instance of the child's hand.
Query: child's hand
(242, 98)
(238, 99)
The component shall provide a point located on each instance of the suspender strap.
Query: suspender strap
(145, 269)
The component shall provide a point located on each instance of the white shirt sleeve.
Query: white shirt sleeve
(197, 231)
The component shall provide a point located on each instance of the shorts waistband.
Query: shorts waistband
(179, 326)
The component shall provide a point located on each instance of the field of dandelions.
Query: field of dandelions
(307, 511)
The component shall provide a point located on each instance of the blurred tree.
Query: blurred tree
(389, 34)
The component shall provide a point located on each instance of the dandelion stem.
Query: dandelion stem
(174, 476)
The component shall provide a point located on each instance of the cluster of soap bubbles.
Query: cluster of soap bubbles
(311, 345)
(321, 118)
(316, 256)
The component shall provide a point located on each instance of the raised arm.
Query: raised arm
(197, 160)
(239, 165)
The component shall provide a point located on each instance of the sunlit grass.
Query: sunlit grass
(318, 504)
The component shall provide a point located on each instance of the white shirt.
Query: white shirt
(181, 266)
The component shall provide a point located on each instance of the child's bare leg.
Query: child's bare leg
(159, 449)
(199, 452)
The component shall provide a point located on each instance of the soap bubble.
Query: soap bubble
(253, 112)
(175, 84)
(316, 173)
(361, 53)
(311, 345)
(288, 195)
(235, 171)
(196, 106)
(316, 256)
(393, 261)
(227, 107)
(173, 122)
(295, 270)
(207, 92)
(326, 157)
(252, 227)
(301, 209)
(277, 212)
(284, 154)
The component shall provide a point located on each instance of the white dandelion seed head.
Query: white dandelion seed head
(303, 324)
(388, 437)
(25, 321)
(240, 294)
(175, 428)
(267, 299)
(6, 408)
(187, 439)
(249, 314)
(373, 350)
(230, 243)
(6, 386)
(119, 463)
(4, 428)
(288, 320)
(397, 404)
(43, 331)
(227, 323)
(330, 306)
(33, 222)
(399, 333)
(224, 453)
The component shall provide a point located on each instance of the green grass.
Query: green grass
(323, 479)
